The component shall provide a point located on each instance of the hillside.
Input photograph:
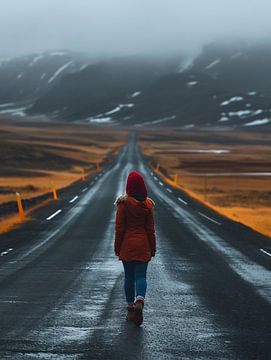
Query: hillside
(26, 78)
(227, 86)
(104, 88)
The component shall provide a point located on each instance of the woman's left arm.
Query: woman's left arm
(151, 232)
(119, 228)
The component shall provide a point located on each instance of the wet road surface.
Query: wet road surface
(61, 287)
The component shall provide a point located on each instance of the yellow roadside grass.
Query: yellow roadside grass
(228, 172)
(35, 156)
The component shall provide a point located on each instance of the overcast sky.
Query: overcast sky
(115, 27)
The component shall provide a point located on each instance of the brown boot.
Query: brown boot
(130, 313)
(138, 312)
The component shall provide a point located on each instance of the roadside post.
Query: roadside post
(54, 191)
(83, 175)
(20, 207)
(175, 179)
(205, 187)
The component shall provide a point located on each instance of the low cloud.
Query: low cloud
(117, 27)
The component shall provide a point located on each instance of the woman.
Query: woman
(135, 242)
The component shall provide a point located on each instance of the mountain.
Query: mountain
(103, 88)
(26, 78)
(227, 86)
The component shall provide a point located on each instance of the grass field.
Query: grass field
(231, 172)
(35, 155)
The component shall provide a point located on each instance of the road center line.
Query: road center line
(54, 214)
(265, 252)
(6, 252)
(181, 200)
(161, 183)
(207, 217)
(85, 189)
(169, 190)
(72, 200)
(155, 178)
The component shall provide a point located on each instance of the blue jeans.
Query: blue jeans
(135, 283)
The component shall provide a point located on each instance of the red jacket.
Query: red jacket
(134, 230)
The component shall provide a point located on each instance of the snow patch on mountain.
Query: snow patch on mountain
(118, 108)
(214, 63)
(188, 126)
(135, 94)
(83, 67)
(126, 105)
(223, 118)
(164, 119)
(153, 122)
(240, 113)
(18, 111)
(59, 71)
(99, 120)
(258, 122)
(244, 113)
(233, 99)
(192, 83)
(185, 65)
(6, 105)
(36, 59)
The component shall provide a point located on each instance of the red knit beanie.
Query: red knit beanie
(135, 185)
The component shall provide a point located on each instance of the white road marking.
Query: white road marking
(69, 219)
(161, 183)
(151, 173)
(265, 252)
(6, 252)
(54, 214)
(181, 200)
(169, 190)
(85, 189)
(155, 178)
(207, 217)
(73, 200)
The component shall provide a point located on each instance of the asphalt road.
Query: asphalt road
(61, 291)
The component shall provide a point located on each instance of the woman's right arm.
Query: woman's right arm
(119, 228)
(151, 232)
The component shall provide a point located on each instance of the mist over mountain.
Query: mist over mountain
(127, 27)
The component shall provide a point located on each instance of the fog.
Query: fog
(120, 27)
